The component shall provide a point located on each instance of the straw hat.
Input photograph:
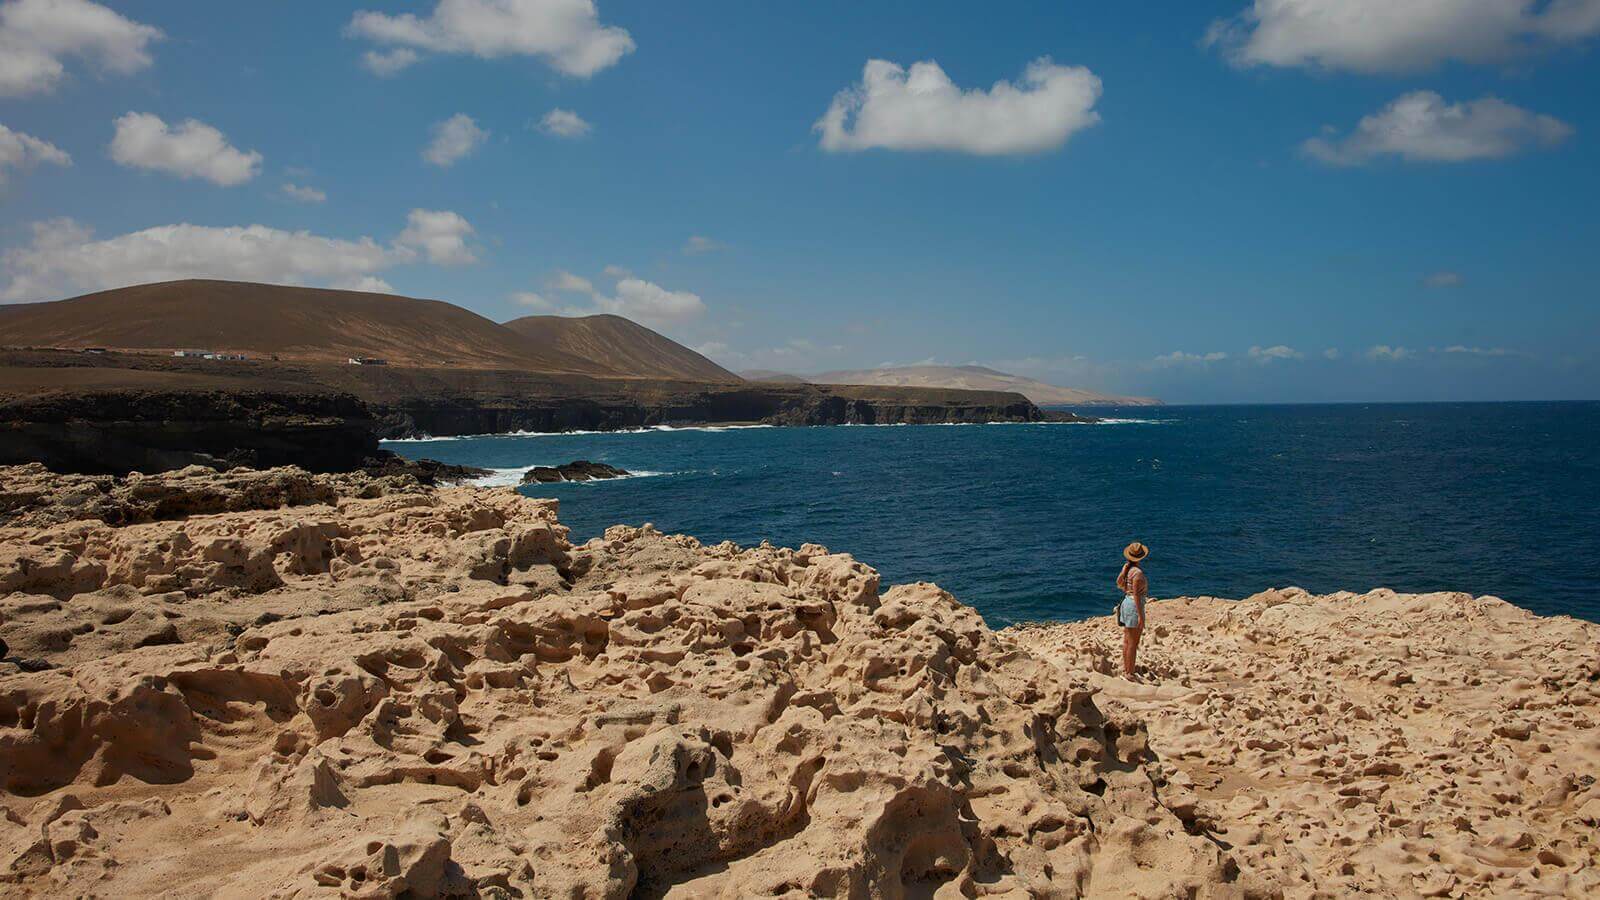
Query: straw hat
(1135, 552)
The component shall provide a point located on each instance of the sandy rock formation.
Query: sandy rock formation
(377, 689)
(1403, 745)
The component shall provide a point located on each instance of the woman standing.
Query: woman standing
(1130, 613)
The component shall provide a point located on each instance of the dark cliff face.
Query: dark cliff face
(775, 405)
(114, 432)
(115, 413)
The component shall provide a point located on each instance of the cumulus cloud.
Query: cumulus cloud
(440, 234)
(1276, 352)
(24, 151)
(453, 139)
(567, 34)
(573, 284)
(1460, 350)
(632, 298)
(303, 194)
(1386, 353)
(191, 150)
(1180, 358)
(1332, 353)
(922, 109)
(1385, 36)
(35, 36)
(699, 243)
(1444, 279)
(387, 63)
(564, 123)
(66, 258)
(1422, 127)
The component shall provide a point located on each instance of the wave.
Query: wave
(513, 477)
(428, 439)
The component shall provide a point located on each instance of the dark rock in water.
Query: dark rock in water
(430, 472)
(581, 470)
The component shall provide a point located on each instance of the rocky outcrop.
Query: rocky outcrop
(1381, 743)
(283, 684)
(403, 691)
(118, 431)
(582, 470)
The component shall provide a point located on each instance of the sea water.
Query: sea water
(1028, 521)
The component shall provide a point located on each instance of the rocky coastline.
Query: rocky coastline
(115, 413)
(290, 684)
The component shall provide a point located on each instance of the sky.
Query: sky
(1278, 201)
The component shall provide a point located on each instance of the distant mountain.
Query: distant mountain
(294, 323)
(771, 376)
(978, 378)
(315, 325)
(618, 344)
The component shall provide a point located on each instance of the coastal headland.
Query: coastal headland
(281, 375)
(280, 683)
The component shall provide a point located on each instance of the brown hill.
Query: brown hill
(294, 323)
(619, 344)
(979, 378)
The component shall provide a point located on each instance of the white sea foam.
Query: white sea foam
(513, 477)
(426, 439)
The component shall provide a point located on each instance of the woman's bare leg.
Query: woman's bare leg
(1130, 646)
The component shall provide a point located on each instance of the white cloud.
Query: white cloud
(1278, 351)
(191, 150)
(567, 34)
(1422, 127)
(615, 272)
(1332, 353)
(304, 194)
(441, 234)
(1386, 353)
(1179, 358)
(922, 109)
(699, 243)
(24, 151)
(1476, 351)
(634, 298)
(65, 258)
(1444, 279)
(564, 123)
(387, 63)
(36, 34)
(1373, 36)
(372, 284)
(535, 302)
(453, 139)
(563, 280)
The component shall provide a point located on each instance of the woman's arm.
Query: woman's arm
(1122, 578)
(1139, 586)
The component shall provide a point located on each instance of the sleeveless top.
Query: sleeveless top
(1128, 612)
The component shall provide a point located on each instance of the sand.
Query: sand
(291, 685)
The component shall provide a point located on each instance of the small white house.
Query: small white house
(195, 354)
(367, 361)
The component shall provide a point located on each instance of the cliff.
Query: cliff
(286, 684)
(116, 412)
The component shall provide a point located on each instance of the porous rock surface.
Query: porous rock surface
(274, 684)
(1437, 745)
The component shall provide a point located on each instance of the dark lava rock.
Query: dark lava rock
(428, 471)
(581, 470)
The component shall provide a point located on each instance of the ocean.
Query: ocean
(1027, 522)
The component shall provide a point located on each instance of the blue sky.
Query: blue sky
(1385, 200)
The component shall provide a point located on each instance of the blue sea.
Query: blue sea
(1027, 522)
